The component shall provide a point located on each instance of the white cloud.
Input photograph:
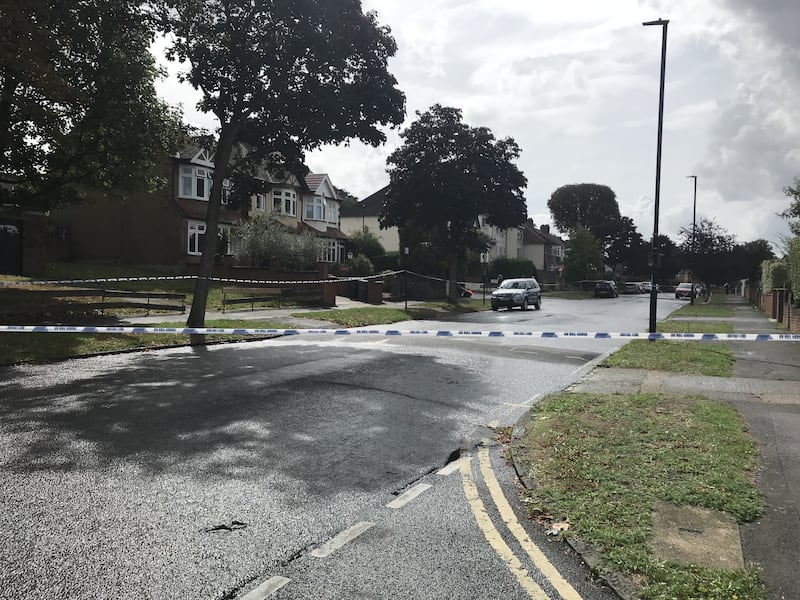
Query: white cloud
(576, 84)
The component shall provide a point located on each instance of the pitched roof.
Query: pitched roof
(532, 235)
(368, 207)
(315, 180)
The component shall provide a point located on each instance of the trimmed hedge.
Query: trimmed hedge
(774, 275)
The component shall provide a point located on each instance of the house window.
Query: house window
(315, 208)
(197, 231)
(261, 202)
(332, 251)
(195, 182)
(332, 213)
(284, 202)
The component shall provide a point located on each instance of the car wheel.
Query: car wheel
(494, 307)
(538, 304)
(524, 304)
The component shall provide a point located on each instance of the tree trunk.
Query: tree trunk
(197, 314)
(452, 264)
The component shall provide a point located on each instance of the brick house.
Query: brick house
(166, 226)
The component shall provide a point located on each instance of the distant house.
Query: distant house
(166, 227)
(364, 214)
(544, 249)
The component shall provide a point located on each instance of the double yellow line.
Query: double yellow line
(496, 541)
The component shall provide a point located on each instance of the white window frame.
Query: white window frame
(332, 212)
(315, 208)
(195, 182)
(260, 202)
(331, 251)
(196, 231)
(284, 201)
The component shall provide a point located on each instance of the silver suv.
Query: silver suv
(517, 292)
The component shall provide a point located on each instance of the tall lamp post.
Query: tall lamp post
(694, 229)
(653, 291)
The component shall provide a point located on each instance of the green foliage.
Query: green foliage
(588, 205)
(793, 212)
(366, 243)
(512, 267)
(281, 77)
(264, 241)
(445, 176)
(584, 259)
(78, 106)
(793, 261)
(774, 275)
(707, 247)
(360, 266)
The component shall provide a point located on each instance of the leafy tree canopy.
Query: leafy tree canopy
(78, 107)
(584, 259)
(365, 243)
(793, 212)
(447, 174)
(281, 77)
(589, 205)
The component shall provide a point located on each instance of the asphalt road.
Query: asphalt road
(211, 473)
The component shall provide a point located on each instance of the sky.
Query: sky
(576, 84)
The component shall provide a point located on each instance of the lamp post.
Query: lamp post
(653, 291)
(694, 229)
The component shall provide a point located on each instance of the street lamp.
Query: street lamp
(653, 292)
(694, 229)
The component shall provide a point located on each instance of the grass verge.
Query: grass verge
(703, 310)
(693, 358)
(46, 347)
(604, 461)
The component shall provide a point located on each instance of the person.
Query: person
(726, 288)
(499, 279)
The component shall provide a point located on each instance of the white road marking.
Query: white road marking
(451, 468)
(408, 495)
(266, 589)
(348, 535)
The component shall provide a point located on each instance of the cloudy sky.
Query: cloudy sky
(575, 83)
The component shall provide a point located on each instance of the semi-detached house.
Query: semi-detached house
(166, 226)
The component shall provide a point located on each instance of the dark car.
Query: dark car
(517, 292)
(605, 289)
(631, 287)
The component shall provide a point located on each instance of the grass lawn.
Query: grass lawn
(703, 310)
(693, 358)
(374, 315)
(605, 460)
(45, 347)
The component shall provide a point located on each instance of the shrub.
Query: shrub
(774, 275)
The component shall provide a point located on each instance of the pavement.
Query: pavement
(765, 389)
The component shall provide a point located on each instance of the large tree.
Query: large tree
(706, 247)
(589, 205)
(281, 77)
(447, 174)
(78, 107)
(584, 258)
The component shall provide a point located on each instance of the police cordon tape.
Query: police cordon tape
(702, 337)
(192, 278)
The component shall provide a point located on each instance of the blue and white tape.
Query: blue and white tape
(460, 333)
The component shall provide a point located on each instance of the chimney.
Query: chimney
(545, 228)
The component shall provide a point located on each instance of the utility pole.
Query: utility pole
(653, 291)
(694, 230)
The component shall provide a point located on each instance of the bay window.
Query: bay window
(284, 202)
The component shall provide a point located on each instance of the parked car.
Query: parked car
(605, 289)
(517, 292)
(684, 291)
(631, 287)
